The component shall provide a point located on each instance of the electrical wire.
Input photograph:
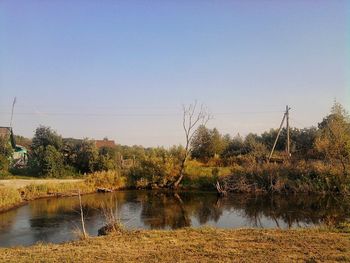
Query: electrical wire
(129, 114)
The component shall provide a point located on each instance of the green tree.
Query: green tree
(207, 143)
(107, 159)
(333, 139)
(5, 154)
(254, 146)
(5, 147)
(217, 142)
(52, 162)
(302, 142)
(201, 147)
(45, 136)
(86, 156)
(46, 157)
(268, 138)
(235, 147)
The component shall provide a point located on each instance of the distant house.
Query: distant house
(20, 153)
(105, 143)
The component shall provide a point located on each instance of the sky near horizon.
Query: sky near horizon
(122, 69)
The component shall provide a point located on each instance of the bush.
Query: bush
(298, 176)
(154, 171)
(107, 179)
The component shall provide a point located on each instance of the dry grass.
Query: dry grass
(20, 183)
(191, 245)
(12, 197)
(9, 197)
(34, 191)
(15, 191)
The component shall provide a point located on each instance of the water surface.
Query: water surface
(55, 220)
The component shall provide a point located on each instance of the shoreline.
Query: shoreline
(70, 193)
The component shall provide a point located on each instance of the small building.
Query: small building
(20, 153)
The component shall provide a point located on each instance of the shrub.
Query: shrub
(106, 179)
(298, 176)
(154, 171)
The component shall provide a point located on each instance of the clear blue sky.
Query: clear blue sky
(123, 69)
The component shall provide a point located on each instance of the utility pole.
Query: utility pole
(288, 132)
(13, 106)
(278, 135)
(285, 116)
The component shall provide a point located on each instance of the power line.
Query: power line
(300, 123)
(129, 114)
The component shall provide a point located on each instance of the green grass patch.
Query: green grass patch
(198, 176)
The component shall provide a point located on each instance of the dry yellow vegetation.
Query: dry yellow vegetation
(21, 183)
(9, 197)
(193, 245)
(15, 192)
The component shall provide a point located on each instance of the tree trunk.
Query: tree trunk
(181, 173)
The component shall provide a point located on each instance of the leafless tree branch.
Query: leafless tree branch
(193, 117)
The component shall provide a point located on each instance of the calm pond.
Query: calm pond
(54, 220)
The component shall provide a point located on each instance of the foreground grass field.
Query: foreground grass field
(193, 245)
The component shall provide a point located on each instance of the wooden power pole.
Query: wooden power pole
(13, 107)
(288, 132)
(285, 116)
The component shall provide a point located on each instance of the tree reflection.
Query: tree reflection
(47, 218)
(295, 210)
(164, 210)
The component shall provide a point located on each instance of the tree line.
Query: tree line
(327, 145)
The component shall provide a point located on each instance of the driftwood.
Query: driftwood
(104, 190)
(220, 189)
(237, 184)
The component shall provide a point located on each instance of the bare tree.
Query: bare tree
(193, 117)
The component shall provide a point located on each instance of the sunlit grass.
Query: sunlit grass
(194, 245)
(198, 176)
(9, 197)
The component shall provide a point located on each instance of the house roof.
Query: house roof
(104, 143)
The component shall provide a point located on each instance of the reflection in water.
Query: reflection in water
(54, 220)
(164, 210)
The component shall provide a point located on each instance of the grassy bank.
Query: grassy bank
(9, 197)
(289, 177)
(193, 245)
(248, 177)
(12, 197)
